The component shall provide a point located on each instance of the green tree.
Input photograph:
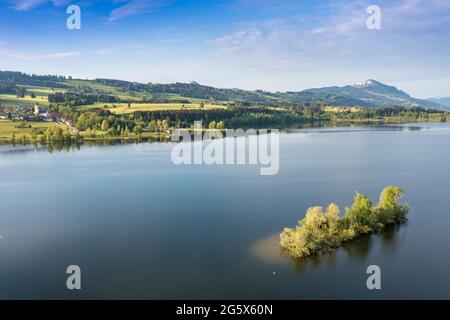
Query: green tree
(105, 125)
(309, 236)
(165, 124)
(152, 126)
(21, 92)
(388, 209)
(334, 236)
(360, 215)
(82, 121)
(138, 130)
(212, 125)
(112, 132)
(318, 232)
(220, 125)
(54, 133)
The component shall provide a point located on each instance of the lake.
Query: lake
(141, 227)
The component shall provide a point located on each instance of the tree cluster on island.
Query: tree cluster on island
(319, 232)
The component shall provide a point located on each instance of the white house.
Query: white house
(36, 109)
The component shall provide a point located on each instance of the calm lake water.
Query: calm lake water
(142, 227)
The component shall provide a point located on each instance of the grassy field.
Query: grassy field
(41, 91)
(11, 100)
(124, 95)
(340, 109)
(7, 127)
(122, 108)
(128, 95)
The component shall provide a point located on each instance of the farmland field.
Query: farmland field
(10, 100)
(122, 108)
(7, 128)
(41, 91)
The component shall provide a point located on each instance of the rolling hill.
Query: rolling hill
(370, 93)
(445, 101)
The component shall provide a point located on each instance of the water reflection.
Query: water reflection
(351, 127)
(269, 251)
(321, 127)
(391, 237)
(67, 146)
(327, 260)
(359, 248)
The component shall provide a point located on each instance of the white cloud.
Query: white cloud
(37, 57)
(133, 7)
(24, 5)
(337, 48)
(126, 7)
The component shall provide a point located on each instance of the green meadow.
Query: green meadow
(10, 100)
(8, 128)
(123, 108)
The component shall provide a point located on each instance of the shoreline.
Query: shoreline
(166, 136)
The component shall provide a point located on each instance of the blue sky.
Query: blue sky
(250, 44)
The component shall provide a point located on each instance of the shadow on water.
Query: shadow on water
(358, 249)
(301, 265)
(269, 251)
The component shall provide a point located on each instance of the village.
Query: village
(36, 114)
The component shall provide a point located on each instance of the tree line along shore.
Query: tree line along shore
(66, 123)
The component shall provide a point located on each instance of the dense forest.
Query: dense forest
(79, 99)
(394, 114)
(10, 79)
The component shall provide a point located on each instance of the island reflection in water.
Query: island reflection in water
(269, 251)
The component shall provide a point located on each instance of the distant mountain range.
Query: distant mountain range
(442, 101)
(370, 93)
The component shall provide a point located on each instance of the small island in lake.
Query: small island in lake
(319, 231)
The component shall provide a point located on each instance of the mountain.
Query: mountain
(370, 93)
(445, 101)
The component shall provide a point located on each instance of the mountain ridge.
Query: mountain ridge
(445, 101)
(369, 93)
